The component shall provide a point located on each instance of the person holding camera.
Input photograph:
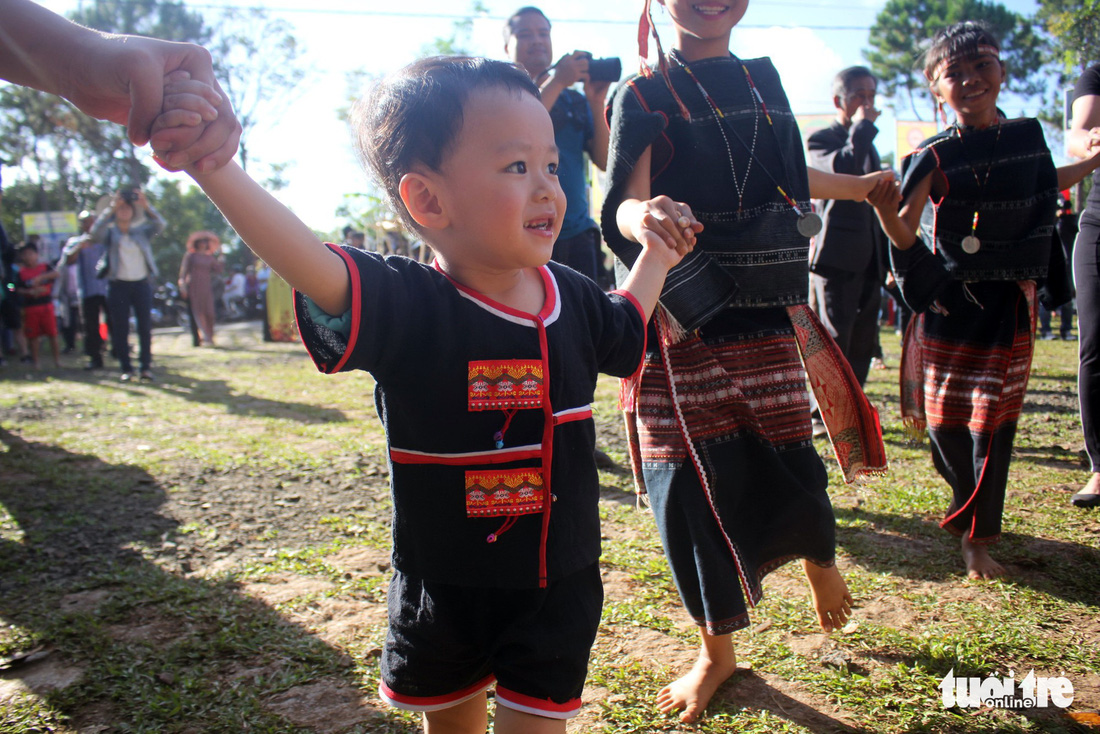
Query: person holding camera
(126, 228)
(579, 128)
(83, 254)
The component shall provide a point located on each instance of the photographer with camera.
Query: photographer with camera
(579, 128)
(126, 227)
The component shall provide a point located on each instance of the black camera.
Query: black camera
(129, 195)
(604, 70)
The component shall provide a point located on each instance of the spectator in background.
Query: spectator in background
(1067, 228)
(11, 322)
(846, 267)
(196, 282)
(34, 284)
(67, 290)
(579, 128)
(126, 229)
(234, 290)
(83, 254)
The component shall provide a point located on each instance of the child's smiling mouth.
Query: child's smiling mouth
(540, 225)
(710, 9)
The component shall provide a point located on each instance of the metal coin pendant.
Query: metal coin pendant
(971, 244)
(809, 224)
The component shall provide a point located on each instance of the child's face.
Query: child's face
(499, 185)
(970, 86)
(706, 19)
(29, 257)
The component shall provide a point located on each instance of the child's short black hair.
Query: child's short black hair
(960, 40)
(845, 78)
(510, 24)
(413, 116)
(19, 250)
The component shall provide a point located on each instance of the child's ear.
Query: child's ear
(421, 199)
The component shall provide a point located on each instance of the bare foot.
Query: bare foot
(979, 564)
(832, 601)
(692, 692)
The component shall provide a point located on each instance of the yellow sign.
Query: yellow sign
(50, 223)
(810, 124)
(911, 133)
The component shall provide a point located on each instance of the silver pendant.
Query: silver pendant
(971, 244)
(809, 224)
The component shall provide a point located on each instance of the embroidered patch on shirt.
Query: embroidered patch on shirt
(503, 384)
(500, 492)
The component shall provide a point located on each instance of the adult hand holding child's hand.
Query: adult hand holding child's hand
(668, 224)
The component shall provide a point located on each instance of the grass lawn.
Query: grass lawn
(209, 553)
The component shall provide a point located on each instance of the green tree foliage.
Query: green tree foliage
(1074, 26)
(73, 159)
(369, 211)
(30, 196)
(259, 63)
(107, 146)
(40, 131)
(904, 28)
(72, 156)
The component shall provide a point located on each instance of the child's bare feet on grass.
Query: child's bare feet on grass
(979, 564)
(832, 601)
(691, 693)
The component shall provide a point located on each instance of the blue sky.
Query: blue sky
(808, 40)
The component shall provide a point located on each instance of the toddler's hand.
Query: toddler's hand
(668, 226)
(184, 116)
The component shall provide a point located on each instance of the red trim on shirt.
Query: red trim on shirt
(580, 415)
(548, 306)
(356, 309)
(547, 444)
(635, 377)
(489, 457)
(630, 297)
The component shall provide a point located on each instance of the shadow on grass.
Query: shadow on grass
(126, 644)
(213, 391)
(918, 548)
(1056, 403)
(753, 692)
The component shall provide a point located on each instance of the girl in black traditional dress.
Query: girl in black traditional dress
(970, 268)
(719, 417)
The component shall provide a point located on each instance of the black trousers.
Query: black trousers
(848, 305)
(91, 308)
(1086, 279)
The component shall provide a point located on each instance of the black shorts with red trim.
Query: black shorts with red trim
(447, 644)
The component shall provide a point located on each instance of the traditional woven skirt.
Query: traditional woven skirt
(964, 373)
(723, 446)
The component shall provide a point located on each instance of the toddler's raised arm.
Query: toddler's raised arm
(269, 229)
(278, 237)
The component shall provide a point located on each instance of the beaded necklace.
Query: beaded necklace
(809, 223)
(971, 244)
